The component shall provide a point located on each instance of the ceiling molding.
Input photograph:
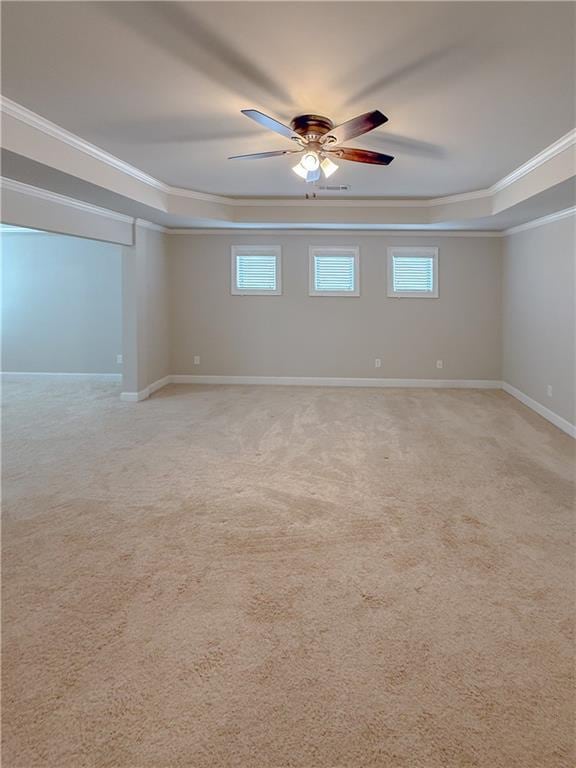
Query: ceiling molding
(34, 120)
(150, 225)
(459, 198)
(565, 142)
(389, 231)
(70, 202)
(557, 216)
(428, 233)
(359, 202)
(204, 196)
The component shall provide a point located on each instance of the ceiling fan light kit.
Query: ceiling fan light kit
(319, 140)
(328, 167)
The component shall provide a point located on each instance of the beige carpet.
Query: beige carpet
(228, 577)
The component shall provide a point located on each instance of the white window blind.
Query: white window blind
(255, 270)
(334, 272)
(412, 272)
(256, 273)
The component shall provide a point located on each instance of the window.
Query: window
(334, 272)
(413, 272)
(256, 270)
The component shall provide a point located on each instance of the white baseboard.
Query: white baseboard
(308, 381)
(155, 386)
(303, 381)
(21, 376)
(136, 397)
(541, 410)
(315, 381)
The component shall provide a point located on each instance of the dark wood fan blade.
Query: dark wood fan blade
(269, 122)
(357, 126)
(261, 155)
(361, 156)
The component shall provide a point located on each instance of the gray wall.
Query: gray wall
(298, 335)
(61, 304)
(539, 316)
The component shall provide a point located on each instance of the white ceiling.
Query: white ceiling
(472, 90)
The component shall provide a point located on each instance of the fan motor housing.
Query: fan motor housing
(311, 125)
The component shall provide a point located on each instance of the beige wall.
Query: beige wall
(539, 315)
(145, 308)
(298, 335)
(156, 307)
(61, 304)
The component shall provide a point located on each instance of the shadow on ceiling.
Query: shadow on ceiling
(179, 32)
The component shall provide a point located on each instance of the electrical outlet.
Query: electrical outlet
(119, 359)
(196, 359)
(549, 390)
(439, 363)
(377, 363)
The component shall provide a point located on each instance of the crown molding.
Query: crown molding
(150, 225)
(70, 202)
(423, 231)
(203, 196)
(34, 120)
(352, 233)
(565, 142)
(557, 216)
(53, 197)
(462, 197)
(358, 202)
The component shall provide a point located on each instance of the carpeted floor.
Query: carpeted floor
(254, 577)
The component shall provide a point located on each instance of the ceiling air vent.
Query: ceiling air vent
(335, 188)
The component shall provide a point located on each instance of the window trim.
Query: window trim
(351, 250)
(417, 251)
(255, 250)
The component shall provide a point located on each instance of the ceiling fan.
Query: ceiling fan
(319, 141)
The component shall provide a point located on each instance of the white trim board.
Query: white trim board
(328, 231)
(541, 410)
(551, 217)
(54, 197)
(151, 225)
(428, 231)
(25, 375)
(34, 120)
(143, 394)
(321, 381)
(304, 381)
(564, 142)
(40, 123)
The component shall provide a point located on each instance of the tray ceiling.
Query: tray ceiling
(472, 90)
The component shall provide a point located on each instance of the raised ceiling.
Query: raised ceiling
(472, 90)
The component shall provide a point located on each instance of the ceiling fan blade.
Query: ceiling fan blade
(269, 122)
(357, 126)
(361, 156)
(261, 155)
